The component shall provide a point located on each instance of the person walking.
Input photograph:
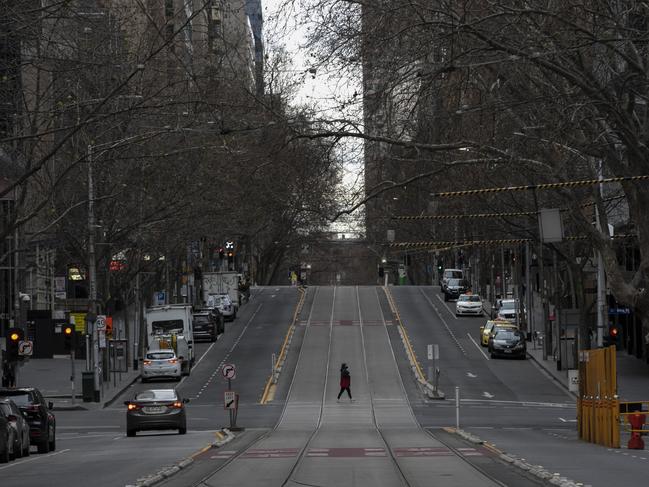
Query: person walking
(345, 381)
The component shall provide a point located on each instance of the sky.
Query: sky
(322, 88)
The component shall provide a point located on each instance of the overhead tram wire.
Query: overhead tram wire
(454, 244)
(491, 215)
(542, 186)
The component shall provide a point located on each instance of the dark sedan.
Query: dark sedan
(156, 409)
(508, 343)
(42, 423)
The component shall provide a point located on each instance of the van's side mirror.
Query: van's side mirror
(50, 405)
(185, 400)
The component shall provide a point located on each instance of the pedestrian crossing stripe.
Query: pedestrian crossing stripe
(401, 452)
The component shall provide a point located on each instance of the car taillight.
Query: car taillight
(133, 407)
(33, 408)
(147, 362)
(173, 361)
(176, 405)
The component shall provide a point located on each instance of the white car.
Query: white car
(469, 304)
(224, 304)
(161, 364)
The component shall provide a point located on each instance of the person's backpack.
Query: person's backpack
(345, 373)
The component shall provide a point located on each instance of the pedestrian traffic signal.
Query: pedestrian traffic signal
(69, 337)
(221, 253)
(14, 337)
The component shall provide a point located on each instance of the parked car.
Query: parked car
(19, 423)
(454, 288)
(7, 439)
(507, 310)
(41, 420)
(490, 327)
(508, 343)
(469, 304)
(156, 409)
(208, 324)
(224, 305)
(450, 274)
(161, 363)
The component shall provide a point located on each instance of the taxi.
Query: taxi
(490, 327)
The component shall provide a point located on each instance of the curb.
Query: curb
(537, 471)
(225, 435)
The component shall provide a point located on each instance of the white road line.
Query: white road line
(469, 374)
(488, 395)
(448, 328)
(446, 306)
(34, 458)
(204, 353)
(478, 346)
(86, 428)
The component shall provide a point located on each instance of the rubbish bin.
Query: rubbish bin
(88, 386)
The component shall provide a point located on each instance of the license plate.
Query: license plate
(153, 409)
(508, 351)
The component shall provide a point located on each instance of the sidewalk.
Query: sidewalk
(52, 378)
(632, 373)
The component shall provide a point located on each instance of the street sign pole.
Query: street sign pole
(74, 397)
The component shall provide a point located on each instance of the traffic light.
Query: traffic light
(440, 266)
(221, 252)
(69, 336)
(14, 337)
(613, 335)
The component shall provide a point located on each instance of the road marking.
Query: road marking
(469, 374)
(446, 306)
(487, 395)
(204, 353)
(478, 346)
(567, 420)
(86, 427)
(448, 328)
(34, 458)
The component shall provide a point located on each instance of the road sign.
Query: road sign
(229, 371)
(100, 323)
(229, 400)
(26, 348)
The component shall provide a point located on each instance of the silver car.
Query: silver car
(161, 364)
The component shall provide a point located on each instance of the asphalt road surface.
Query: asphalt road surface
(390, 435)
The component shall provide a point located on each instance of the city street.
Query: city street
(390, 435)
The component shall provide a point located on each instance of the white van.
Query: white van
(451, 274)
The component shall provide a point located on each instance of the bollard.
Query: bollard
(457, 408)
(636, 442)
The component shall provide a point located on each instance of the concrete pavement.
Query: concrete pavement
(52, 378)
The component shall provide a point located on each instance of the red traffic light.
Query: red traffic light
(613, 332)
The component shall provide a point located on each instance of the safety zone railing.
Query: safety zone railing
(598, 409)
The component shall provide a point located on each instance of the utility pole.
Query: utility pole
(601, 276)
(91, 317)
